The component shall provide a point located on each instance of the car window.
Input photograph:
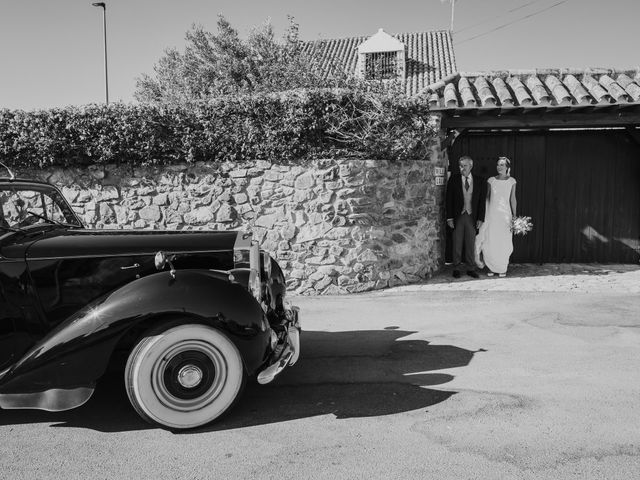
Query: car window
(23, 207)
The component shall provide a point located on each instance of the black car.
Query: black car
(190, 314)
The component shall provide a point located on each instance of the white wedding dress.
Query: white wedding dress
(494, 243)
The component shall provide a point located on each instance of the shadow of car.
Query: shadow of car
(345, 374)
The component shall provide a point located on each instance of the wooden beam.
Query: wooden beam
(627, 118)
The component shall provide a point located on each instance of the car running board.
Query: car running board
(53, 400)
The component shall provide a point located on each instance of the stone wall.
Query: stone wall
(335, 226)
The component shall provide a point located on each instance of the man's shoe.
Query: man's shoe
(456, 274)
(473, 274)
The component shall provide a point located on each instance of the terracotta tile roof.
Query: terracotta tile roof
(429, 56)
(535, 88)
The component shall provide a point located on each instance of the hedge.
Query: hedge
(291, 125)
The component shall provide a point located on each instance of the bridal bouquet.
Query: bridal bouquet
(521, 225)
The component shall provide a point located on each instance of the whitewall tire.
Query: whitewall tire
(184, 376)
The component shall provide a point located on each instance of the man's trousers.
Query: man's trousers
(464, 234)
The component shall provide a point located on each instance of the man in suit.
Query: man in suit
(465, 207)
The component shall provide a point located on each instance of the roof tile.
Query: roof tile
(616, 91)
(578, 92)
(450, 96)
(530, 88)
(484, 92)
(502, 91)
(429, 56)
(520, 91)
(538, 91)
(466, 93)
(632, 88)
(434, 101)
(596, 90)
(558, 90)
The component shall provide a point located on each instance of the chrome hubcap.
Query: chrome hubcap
(189, 376)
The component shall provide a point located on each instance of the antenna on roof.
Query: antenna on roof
(453, 9)
(11, 175)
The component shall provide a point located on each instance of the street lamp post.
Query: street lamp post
(104, 30)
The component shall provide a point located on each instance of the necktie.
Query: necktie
(466, 183)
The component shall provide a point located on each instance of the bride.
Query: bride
(494, 241)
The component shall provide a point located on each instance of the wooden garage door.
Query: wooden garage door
(582, 189)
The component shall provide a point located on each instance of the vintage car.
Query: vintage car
(187, 316)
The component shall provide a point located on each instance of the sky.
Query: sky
(51, 51)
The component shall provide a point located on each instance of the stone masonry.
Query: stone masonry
(335, 226)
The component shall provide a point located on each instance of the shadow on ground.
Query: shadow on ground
(344, 374)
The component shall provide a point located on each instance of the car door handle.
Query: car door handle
(135, 265)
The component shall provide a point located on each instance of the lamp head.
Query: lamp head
(99, 4)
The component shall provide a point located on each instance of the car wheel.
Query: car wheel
(184, 376)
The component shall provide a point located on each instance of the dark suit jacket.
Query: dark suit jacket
(455, 200)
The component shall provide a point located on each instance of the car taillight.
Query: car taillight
(242, 250)
(246, 255)
(266, 264)
(254, 284)
(255, 279)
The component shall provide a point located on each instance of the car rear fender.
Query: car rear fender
(76, 353)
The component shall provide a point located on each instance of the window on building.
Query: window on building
(381, 65)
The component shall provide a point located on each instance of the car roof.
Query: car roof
(24, 181)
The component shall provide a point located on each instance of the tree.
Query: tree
(223, 63)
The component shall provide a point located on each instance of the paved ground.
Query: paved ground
(534, 376)
(550, 277)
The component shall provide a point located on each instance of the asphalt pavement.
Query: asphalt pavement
(534, 376)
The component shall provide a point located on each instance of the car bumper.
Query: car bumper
(287, 351)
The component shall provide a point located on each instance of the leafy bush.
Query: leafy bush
(279, 126)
